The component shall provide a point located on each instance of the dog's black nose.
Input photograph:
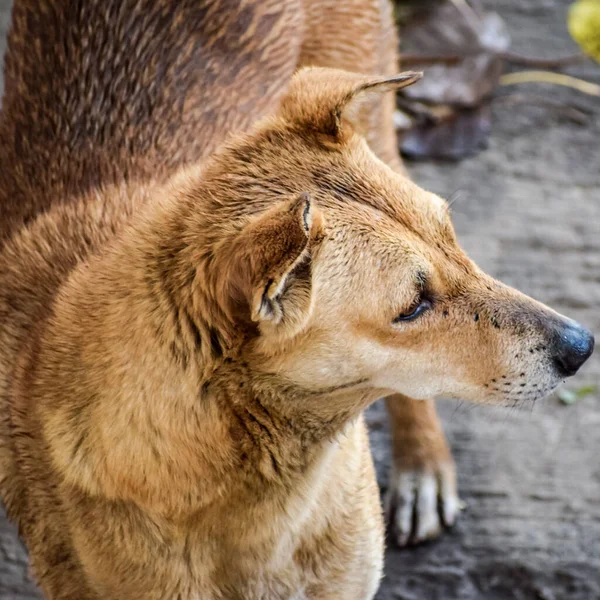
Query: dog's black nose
(572, 345)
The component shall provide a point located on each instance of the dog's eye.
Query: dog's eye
(417, 309)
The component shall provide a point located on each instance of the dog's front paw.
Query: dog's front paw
(419, 503)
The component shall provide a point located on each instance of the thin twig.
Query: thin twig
(580, 85)
(575, 114)
(517, 59)
(418, 111)
(432, 59)
(542, 63)
(425, 114)
(469, 15)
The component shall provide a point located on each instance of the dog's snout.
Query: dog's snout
(571, 346)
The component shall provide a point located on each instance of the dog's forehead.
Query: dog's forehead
(360, 237)
(391, 245)
(405, 215)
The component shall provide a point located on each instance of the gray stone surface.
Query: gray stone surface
(529, 212)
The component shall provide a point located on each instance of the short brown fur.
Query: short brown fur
(191, 326)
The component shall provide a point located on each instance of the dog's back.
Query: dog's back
(101, 92)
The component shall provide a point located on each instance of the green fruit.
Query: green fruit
(584, 26)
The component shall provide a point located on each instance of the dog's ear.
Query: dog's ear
(270, 266)
(326, 101)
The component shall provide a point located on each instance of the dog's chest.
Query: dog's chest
(328, 543)
(325, 540)
(293, 576)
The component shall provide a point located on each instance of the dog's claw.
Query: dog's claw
(420, 504)
(399, 507)
(451, 504)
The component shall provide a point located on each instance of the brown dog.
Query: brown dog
(186, 350)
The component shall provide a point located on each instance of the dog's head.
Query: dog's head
(353, 274)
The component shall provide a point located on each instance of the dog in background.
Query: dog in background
(211, 262)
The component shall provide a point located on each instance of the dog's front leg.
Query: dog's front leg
(422, 495)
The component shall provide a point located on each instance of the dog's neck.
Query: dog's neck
(180, 417)
(278, 428)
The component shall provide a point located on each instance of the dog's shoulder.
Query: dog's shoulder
(34, 264)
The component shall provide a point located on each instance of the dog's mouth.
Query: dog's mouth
(546, 364)
(513, 390)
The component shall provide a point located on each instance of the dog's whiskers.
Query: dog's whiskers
(457, 195)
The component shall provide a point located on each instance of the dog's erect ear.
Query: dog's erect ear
(270, 268)
(323, 100)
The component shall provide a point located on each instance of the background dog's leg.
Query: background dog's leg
(422, 495)
(359, 36)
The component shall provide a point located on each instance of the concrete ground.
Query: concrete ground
(529, 212)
